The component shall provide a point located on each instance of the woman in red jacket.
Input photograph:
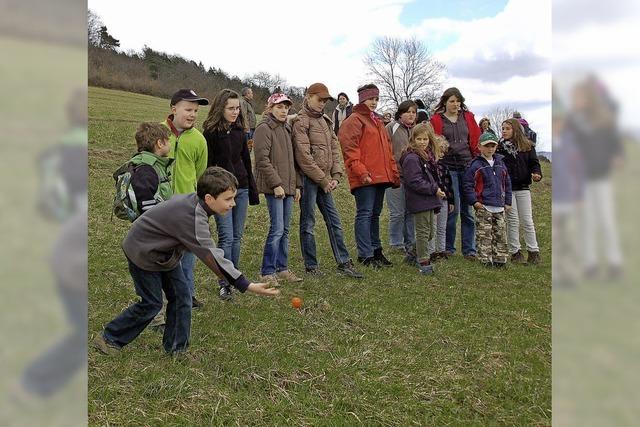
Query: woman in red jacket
(369, 163)
(453, 120)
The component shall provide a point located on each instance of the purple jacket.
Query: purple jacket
(420, 186)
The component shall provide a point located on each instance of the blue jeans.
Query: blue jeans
(312, 194)
(149, 286)
(467, 225)
(231, 227)
(188, 264)
(369, 201)
(276, 248)
(402, 229)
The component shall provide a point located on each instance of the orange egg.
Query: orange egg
(296, 302)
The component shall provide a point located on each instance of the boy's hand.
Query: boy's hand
(536, 177)
(263, 289)
(478, 205)
(296, 198)
(441, 194)
(278, 192)
(327, 188)
(507, 208)
(334, 184)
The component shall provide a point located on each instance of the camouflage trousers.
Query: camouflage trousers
(491, 238)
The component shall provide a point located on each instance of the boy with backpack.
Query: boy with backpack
(145, 180)
(154, 247)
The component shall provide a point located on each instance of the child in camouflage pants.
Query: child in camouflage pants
(488, 188)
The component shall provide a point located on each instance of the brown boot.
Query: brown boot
(517, 258)
(533, 258)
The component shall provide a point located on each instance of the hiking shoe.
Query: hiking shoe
(347, 269)
(470, 257)
(195, 303)
(314, 271)
(517, 258)
(437, 256)
(104, 346)
(370, 262)
(225, 293)
(270, 279)
(533, 258)
(382, 260)
(288, 276)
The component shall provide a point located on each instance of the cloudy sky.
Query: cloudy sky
(498, 52)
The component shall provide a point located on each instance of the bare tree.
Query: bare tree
(499, 114)
(265, 79)
(403, 69)
(94, 23)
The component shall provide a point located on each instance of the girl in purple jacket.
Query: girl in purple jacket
(422, 194)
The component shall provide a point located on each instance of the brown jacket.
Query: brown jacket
(274, 159)
(367, 150)
(316, 147)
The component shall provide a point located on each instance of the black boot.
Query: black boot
(379, 256)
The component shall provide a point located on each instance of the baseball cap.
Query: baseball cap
(488, 138)
(320, 90)
(277, 98)
(188, 95)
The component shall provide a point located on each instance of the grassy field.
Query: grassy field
(468, 346)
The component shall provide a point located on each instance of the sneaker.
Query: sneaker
(288, 276)
(270, 279)
(533, 258)
(195, 303)
(104, 346)
(314, 271)
(517, 258)
(347, 269)
(382, 260)
(410, 260)
(370, 262)
(426, 268)
(225, 293)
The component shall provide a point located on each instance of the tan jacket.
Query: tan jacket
(316, 147)
(274, 159)
(248, 114)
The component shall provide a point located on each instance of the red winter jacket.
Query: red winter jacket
(474, 130)
(367, 150)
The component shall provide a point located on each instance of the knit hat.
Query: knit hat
(488, 138)
(365, 94)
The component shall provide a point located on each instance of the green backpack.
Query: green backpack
(125, 205)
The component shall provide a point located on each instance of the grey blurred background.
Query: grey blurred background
(595, 205)
(43, 224)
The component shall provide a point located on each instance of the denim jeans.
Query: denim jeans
(231, 227)
(369, 201)
(312, 194)
(149, 286)
(401, 223)
(467, 225)
(188, 264)
(276, 248)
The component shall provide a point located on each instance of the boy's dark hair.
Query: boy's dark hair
(216, 180)
(404, 107)
(148, 133)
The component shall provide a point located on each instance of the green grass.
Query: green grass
(468, 346)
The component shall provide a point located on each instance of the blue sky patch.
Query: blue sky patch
(465, 10)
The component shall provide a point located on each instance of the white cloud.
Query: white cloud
(325, 41)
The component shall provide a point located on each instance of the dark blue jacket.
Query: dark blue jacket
(488, 185)
(420, 186)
